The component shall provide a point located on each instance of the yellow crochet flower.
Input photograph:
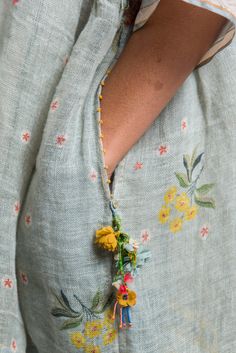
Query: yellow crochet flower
(77, 339)
(107, 238)
(170, 194)
(90, 348)
(191, 213)
(108, 318)
(93, 328)
(126, 299)
(109, 337)
(163, 214)
(176, 225)
(182, 202)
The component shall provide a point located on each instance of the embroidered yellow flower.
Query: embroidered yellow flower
(77, 339)
(182, 202)
(108, 318)
(93, 328)
(90, 348)
(107, 238)
(170, 194)
(176, 225)
(109, 337)
(163, 214)
(127, 298)
(191, 213)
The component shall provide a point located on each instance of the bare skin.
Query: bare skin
(154, 63)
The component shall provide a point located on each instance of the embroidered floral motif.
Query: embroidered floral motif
(16, 207)
(183, 206)
(54, 105)
(61, 140)
(145, 235)
(7, 283)
(138, 165)
(93, 175)
(25, 137)
(15, 2)
(204, 232)
(23, 278)
(162, 150)
(95, 321)
(28, 220)
(13, 345)
(184, 125)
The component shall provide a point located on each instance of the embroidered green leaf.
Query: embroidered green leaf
(193, 157)
(187, 165)
(63, 312)
(204, 188)
(71, 323)
(66, 301)
(96, 300)
(183, 181)
(204, 201)
(197, 161)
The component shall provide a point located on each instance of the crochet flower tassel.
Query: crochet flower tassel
(129, 258)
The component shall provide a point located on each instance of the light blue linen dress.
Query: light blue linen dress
(175, 191)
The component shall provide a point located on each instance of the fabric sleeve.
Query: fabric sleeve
(225, 8)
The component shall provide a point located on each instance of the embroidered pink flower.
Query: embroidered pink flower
(23, 277)
(123, 289)
(7, 282)
(16, 207)
(184, 125)
(204, 231)
(60, 140)
(28, 220)
(13, 345)
(162, 150)
(25, 137)
(54, 105)
(145, 236)
(15, 2)
(93, 175)
(138, 165)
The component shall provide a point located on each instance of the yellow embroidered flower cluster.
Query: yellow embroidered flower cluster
(95, 329)
(178, 205)
(107, 238)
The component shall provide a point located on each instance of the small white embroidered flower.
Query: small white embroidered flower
(54, 105)
(204, 232)
(184, 125)
(61, 140)
(25, 136)
(138, 165)
(13, 345)
(7, 282)
(24, 278)
(145, 235)
(16, 208)
(162, 149)
(28, 220)
(93, 175)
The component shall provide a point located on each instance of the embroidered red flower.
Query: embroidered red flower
(138, 165)
(128, 278)
(54, 105)
(162, 149)
(7, 283)
(25, 137)
(184, 125)
(17, 207)
(28, 220)
(93, 175)
(23, 277)
(204, 231)
(13, 344)
(145, 236)
(15, 2)
(60, 140)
